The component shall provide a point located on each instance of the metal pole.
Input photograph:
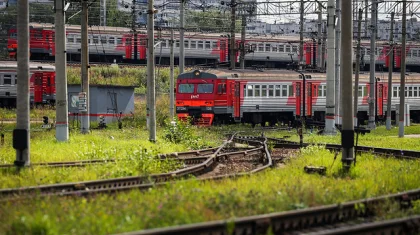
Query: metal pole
(366, 17)
(171, 77)
(232, 34)
(243, 42)
(302, 12)
(133, 28)
(372, 99)
(151, 71)
(103, 12)
(403, 52)
(356, 82)
(61, 125)
(85, 68)
(347, 134)
(319, 36)
(304, 98)
(21, 140)
(337, 64)
(390, 67)
(181, 38)
(330, 107)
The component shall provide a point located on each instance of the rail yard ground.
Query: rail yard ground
(283, 188)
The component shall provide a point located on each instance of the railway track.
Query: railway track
(203, 164)
(397, 153)
(317, 220)
(188, 157)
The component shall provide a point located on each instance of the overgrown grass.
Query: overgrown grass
(178, 203)
(124, 77)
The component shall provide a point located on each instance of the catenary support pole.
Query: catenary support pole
(330, 106)
(61, 125)
(390, 67)
(319, 37)
(356, 80)
(181, 37)
(337, 64)
(134, 29)
(85, 68)
(103, 12)
(372, 88)
(243, 32)
(347, 134)
(403, 52)
(366, 18)
(21, 140)
(232, 34)
(302, 12)
(151, 71)
(171, 77)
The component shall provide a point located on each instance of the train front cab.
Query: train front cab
(195, 93)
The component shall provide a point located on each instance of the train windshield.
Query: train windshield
(186, 88)
(205, 88)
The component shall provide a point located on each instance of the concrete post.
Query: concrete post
(372, 88)
(21, 140)
(61, 125)
(403, 69)
(85, 68)
(356, 82)
(151, 71)
(330, 106)
(171, 77)
(181, 37)
(391, 65)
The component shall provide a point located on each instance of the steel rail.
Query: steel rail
(141, 183)
(408, 225)
(287, 222)
(181, 156)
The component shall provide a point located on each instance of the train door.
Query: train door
(128, 47)
(298, 86)
(309, 99)
(237, 101)
(223, 50)
(142, 45)
(380, 101)
(38, 87)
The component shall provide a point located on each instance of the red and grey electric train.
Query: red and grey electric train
(109, 43)
(260, 97)
(42, 83)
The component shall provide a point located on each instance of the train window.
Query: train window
(221, 88)
(193, 45)
(214, 45)
(128, 41)
(163, 44)
(119, 41)
(270, 90)
(205, 88)
(360, 94)
(103, 39)
(7, 79)
(405, 91)
(111, 40)
(186, 43)
(394, 91)
(320, 91)
(294, 48)
(291, 93)
(177, 43)
(267, 47)
(278, 87)
(410, 91)
(284, 90)
(257, 91)
(95, 39)
(78, 40)
(208, 45)
(288, 48)
(367, 51)
(274, 48)
(415, 94)
(264, 90)
(200, 44)
(70, 39)
(281, 48)
(260, 47)
(186, 88)
(250, 90)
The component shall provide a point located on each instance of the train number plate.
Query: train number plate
(46, 126)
